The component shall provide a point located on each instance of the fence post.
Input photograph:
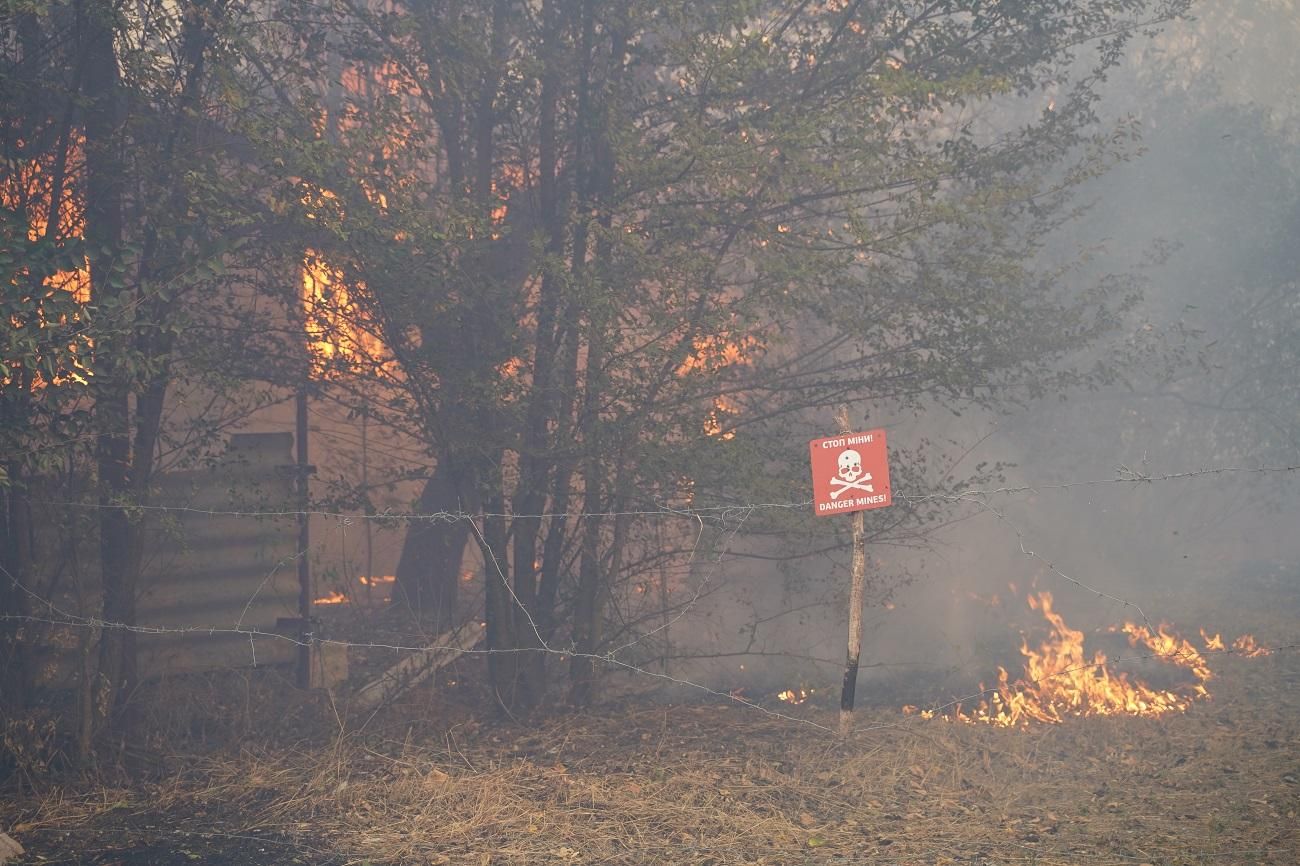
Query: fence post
(854, 651)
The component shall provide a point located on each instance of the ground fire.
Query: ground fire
(795, 696)
(1061, 680)
(382, 582)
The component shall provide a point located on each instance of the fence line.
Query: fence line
(730, 516)
(721, 511)
(73, 620)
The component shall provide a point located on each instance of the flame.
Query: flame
(686, 487)
(712, 355)
(795, 696)
(1246, 646)
(714, 421)
(335, 597)
(1060, 680)
(340, 335)
(383, 581)
(510, 368)
(1173, 649)
(28, 188)
(715, 353)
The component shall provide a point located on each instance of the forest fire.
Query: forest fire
(1061, 680)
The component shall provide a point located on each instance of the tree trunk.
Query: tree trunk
(516, 683)
(535, 457)
(428, 572)
(16, 550)
(597, 193)
(103, 233)
(587, 613)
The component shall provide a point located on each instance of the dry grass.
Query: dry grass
(727, 785)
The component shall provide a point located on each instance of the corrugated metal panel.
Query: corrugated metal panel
(220, 570)
(205, 569)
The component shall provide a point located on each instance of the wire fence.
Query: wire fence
(730, 519)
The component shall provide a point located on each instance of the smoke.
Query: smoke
(1202, 374)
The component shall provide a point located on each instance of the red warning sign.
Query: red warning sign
(850, 473)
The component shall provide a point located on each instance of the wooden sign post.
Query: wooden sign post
(850, 474)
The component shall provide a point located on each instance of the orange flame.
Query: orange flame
(335, 597)
(714, 353)
(713, 422)
(1060, 680)
(340, 335)
(795, 696)
(1246, 646)
(1171, 648)
(29, 188)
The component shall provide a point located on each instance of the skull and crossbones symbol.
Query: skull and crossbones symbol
(850, 476)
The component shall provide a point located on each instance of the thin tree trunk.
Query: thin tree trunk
(535, 463)
(516, 690)
(595, 570)
(103, 233)
(15, 670)
(586, 610)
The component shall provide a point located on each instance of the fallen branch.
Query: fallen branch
(417, 667)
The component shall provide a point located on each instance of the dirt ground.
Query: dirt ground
(724, 784)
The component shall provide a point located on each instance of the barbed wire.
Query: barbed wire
(733, 516)
(721, 511)
(309, 639)
(1051, 566)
